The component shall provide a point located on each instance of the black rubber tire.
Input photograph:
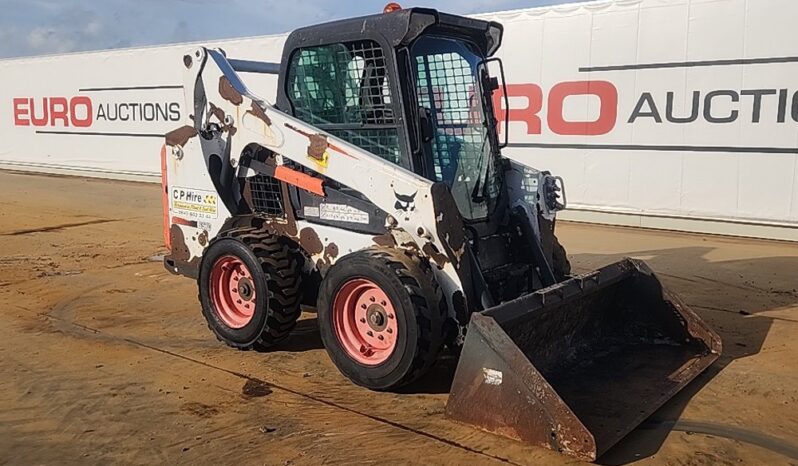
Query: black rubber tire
(561, 267)
(419, 305)
(276, 268)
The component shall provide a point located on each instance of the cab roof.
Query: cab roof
(401, 27)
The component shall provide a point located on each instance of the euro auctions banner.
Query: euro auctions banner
(649, 109)
(671, 108)
(103, 113)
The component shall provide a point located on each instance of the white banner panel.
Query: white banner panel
(104, 113)
(660, 107)
(650, 109)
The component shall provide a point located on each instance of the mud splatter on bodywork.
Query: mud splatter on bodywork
(330, 253)
(180, 136)
(433, 253)
(180, 260)
(180, 251)
(310, 242)
(317, 149)
(318, 140)
(219, 114)
(385, 240)
(228, 92)
(259, 113)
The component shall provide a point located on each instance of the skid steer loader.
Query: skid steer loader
(375, 190)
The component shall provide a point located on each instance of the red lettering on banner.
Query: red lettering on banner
(21, 112)
(38, 121)
(59, 110)
(74, 105)
(53, 111)
(608, 108)
(528, 114)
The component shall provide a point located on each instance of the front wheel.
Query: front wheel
(381, 316)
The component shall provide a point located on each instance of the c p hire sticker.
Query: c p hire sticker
(194, 203)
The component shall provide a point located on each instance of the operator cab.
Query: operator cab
(435, 119)
(413, 87)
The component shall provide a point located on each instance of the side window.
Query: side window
(344, 89)
(445, 84)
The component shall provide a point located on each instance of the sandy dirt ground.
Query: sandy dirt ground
(105, 358)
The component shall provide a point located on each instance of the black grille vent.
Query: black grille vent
(267, 197)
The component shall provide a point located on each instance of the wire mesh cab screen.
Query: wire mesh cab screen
(446, 73)
(344, 89)
(265, 195)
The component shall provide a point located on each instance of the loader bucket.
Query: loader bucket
(576, 366)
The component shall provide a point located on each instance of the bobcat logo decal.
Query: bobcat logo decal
(405, 203)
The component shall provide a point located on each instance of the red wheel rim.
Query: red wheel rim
(233, 292)
(365, 321)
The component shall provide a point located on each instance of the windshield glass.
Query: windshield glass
(448, 85)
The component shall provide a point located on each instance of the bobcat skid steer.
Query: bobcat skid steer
(375, 190)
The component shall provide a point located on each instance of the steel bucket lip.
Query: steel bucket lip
(485, 330)
(488, 328)
(690, 370)
(561, 293)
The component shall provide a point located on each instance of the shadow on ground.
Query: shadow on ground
(754, 286)
(728, 295)
(304, 337)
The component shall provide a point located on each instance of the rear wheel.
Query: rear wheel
(232, 291)
(381, 317)
(249, 288)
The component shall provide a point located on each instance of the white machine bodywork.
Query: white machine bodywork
(244, 119)
(378, 179)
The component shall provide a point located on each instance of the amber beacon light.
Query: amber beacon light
(391, 7)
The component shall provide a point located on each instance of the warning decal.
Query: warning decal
(342, 213)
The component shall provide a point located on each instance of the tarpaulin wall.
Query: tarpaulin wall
(105, 113)
(656, 111)
(679, 114)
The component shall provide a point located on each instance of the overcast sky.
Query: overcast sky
(36, 27)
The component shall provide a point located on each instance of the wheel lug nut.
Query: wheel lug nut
(372, 299)
(362, 320)
(370, 333)
(383, 303)
(390, 316)
(381, 337)
(362, 306)
(389, 330)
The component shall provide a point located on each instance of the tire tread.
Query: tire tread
(281, 263)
